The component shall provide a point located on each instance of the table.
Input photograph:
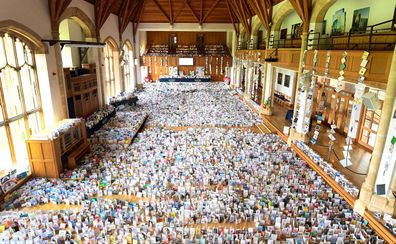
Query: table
(185, 79)
(133, 100)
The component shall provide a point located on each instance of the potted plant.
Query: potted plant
(266, 107)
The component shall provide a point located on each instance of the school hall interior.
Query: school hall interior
(192, 121)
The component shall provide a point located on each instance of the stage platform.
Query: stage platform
(185, 79)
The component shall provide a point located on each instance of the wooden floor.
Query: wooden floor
(360, 157)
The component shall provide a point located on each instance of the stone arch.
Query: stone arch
(110, 40)
(26, 34)
(285, 10)
(82, 19)
(128, 43)
(320, 9)
(256, 26)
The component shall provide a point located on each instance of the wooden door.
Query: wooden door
(369, 127)
(344, 109)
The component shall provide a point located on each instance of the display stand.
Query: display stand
(98, 126)
(51, 150)
(131, 101)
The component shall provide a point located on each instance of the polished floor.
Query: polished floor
(360, 157)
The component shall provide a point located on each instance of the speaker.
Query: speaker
(371, 101)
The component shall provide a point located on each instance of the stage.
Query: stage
(184, 79)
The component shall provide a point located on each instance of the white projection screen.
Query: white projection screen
(186, 61)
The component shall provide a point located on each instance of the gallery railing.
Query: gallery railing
(291, 41)
(245, 45)
(372, 38)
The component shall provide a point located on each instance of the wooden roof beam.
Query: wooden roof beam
(232, 18)
(170, 11)
(102, 12)
(201, 13)
(135, 25)
(56, 9)
(192, 11)
(123, 15)
(180, 10)
(162, 10)
(210, 10)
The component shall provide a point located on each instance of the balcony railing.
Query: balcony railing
(375, 37)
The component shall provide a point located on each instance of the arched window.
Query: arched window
(20, 104)
(127, 66)
(110, 81)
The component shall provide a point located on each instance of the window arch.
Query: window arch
(127, 65)
(20, 103)
(110, 74)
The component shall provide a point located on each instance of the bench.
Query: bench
(77, 154)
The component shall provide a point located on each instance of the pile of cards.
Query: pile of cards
(121, 129)
(123, 96)
(329, 169)
(98, 116)
(169, 186)
(61, 127)
(194, 104)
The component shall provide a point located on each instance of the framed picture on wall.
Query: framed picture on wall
(296, 30)
(287, 81)
(283, 34)
(338, 25)
(360, 19)
(324, 23)
(280, 76)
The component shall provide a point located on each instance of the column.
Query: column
(367, 189)
(237, 82)
(293, 134)
(99, 74)
(61, 76)
(248, 80)
(121, 70)
(254, 41)
(133, 66)
(136, 44)
(264, 97)
(391, 200)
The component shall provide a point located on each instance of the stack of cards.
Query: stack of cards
(193, 104)
(98, 116)
(170, 186)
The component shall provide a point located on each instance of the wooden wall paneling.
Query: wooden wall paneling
(186, 38)
(158, 37)
(308, 59)
(378, 67)
(295, 59)
(198, 61)
(377, 72)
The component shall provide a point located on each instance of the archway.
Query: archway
(128, 66)
(112, 84)
(24, 33)
(23, 81)
(82, 19)
(284, 10)
(79, 63)
(320, 9)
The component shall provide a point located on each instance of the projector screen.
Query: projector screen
(186, 61)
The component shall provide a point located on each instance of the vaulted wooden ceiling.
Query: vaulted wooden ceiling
(181, 11)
